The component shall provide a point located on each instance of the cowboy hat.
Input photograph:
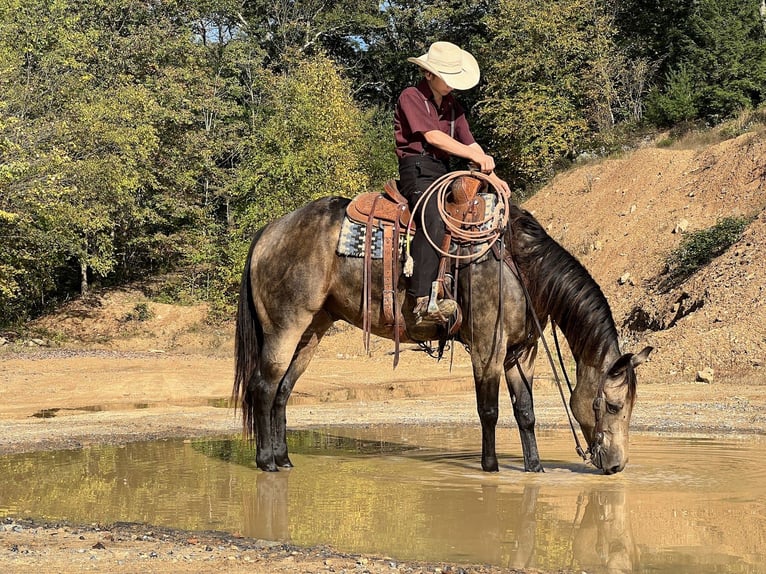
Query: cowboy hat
(456, 67)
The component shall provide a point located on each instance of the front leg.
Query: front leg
(519, 379)
(487, 388)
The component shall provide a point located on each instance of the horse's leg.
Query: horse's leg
(278, 352)
(487, 381)
(519, 379)
(303, 355)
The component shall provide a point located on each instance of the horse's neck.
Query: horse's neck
(592, 353)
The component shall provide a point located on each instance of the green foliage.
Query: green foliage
(545, 128)
(676, 103)
(141, 312)
(551, 82)
(712, 53)
(699, 248)
(307, 144)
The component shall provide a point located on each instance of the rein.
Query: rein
(515, 270)
(598, 402)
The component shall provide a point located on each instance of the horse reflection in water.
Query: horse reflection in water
(601, 536)
(601, 541)
(604, 540)
(266, 514)
(295, 285)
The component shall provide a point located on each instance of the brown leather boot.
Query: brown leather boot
(447, 310)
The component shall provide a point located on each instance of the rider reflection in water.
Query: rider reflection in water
(429, 127)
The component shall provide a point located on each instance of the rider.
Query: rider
(429, 127)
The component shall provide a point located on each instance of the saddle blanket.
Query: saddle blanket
(351, 240)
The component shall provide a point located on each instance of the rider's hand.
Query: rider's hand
(486, 163)
(499, 184)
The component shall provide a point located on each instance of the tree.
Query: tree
(106, 116)
(307, 143)
(710, 56)
(552, 82)
(290, 30)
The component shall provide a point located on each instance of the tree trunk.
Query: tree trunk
(83, 279)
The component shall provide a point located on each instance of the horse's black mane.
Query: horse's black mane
(563, 289)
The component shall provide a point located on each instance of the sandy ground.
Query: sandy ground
(93, 397)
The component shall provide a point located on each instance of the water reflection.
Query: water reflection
(418, 494)
(603, 541)
(527, 529)
(266, 514)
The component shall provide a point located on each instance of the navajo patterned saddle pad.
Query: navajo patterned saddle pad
(351, 240)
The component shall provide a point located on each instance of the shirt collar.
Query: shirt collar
(425, 89)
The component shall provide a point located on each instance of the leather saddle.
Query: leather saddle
(390, 212)
(389, 207)
(464, 204)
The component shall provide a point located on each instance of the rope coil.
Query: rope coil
(486, 231)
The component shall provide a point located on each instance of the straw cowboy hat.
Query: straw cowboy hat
(456, 67)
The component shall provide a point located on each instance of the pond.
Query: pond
(417, 493)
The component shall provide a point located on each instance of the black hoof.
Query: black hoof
(268, 467)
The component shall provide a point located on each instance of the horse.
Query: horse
(295, 286)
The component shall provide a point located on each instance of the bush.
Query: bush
(141, 312)
(699, 248)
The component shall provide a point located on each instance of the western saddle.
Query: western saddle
(390, 212)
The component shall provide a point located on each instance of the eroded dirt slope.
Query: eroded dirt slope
(622, 217)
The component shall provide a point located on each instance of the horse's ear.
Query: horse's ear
(641, 357)
(619, 366)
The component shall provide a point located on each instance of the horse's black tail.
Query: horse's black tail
(248, 340)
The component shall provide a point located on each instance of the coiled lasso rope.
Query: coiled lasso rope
(486, 231)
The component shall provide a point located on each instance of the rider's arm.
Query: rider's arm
(473, 152)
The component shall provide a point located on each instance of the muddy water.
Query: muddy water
(682, 505)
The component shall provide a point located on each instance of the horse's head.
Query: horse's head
(602, 403)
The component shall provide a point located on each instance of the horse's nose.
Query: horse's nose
(614, 469)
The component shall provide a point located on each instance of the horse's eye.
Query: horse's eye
(612, 408)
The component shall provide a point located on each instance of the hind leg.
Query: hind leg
(519, 379)
(278, 353)
(303, 355)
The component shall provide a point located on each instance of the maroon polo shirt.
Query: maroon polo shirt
(416, 114)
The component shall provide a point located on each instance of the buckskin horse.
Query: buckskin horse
(295, 286)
